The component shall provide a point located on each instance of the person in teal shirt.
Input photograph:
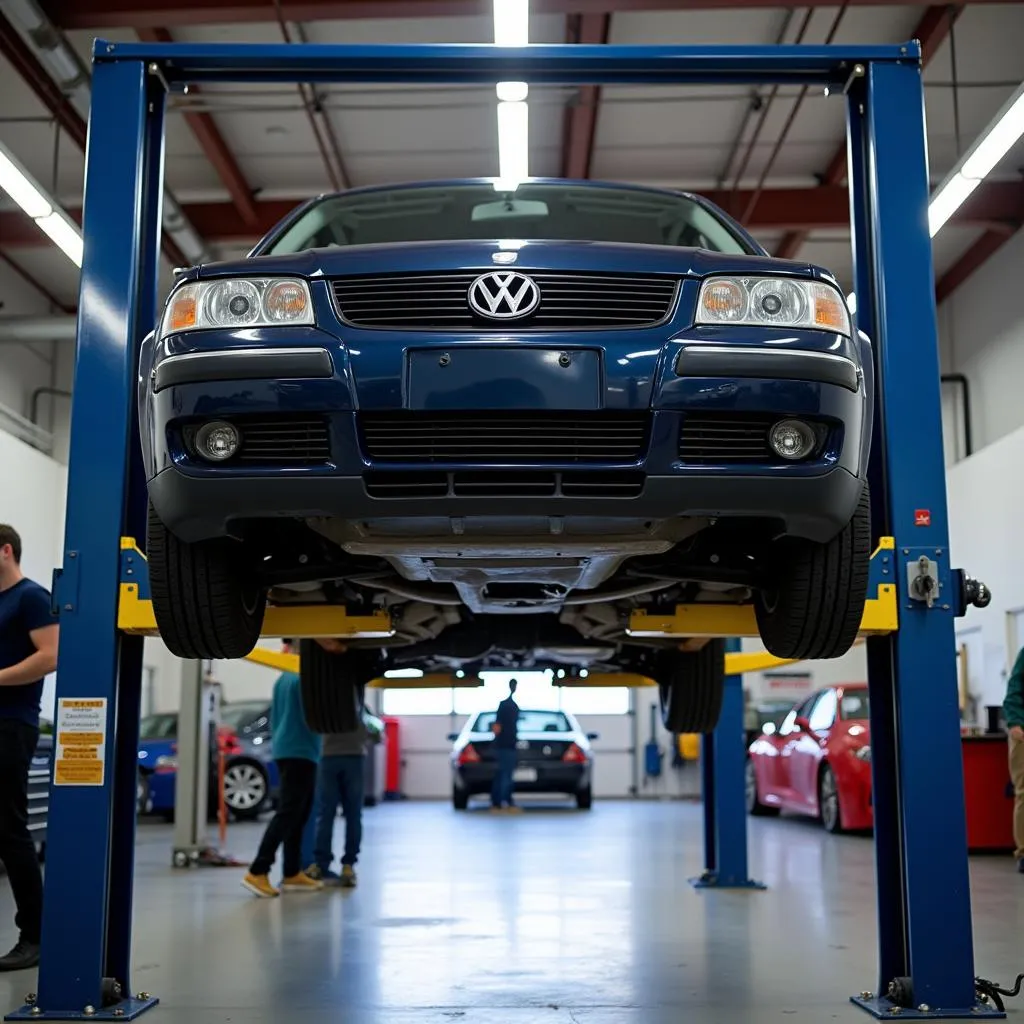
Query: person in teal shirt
(296, 753)
(1013, 711)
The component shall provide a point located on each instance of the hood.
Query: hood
(476, 254)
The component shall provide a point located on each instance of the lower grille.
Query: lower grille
(503, 485)
(504, 437)
(726, 437)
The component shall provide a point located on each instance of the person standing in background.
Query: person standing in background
(28, 652)
(296, 753)
(1013, 711)
(340, 779)
(506, 736)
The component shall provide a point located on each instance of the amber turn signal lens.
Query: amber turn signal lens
(829, 310)
(182, 314)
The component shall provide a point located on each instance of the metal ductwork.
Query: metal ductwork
(38, 328)
(72, 78)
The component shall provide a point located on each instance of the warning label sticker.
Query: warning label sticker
(81, 734)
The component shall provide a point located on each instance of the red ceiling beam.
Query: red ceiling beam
(931, 30)
(105, 14)
(212, 143)
(35, 76)
(994, 204)
(580, 127)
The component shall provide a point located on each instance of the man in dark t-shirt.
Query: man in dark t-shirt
(506, 735)
(28, 652)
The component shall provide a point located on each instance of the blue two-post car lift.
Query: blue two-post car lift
(926, 966)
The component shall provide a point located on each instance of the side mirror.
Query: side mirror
(593, 735)
(452, 737)
(802, 724)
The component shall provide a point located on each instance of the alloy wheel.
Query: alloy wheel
(245, 787)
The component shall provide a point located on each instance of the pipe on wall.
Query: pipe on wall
(965, 401)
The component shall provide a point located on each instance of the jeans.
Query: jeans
(298, 781)
(501, 789)
(339, 780)
(1017, 774)
(17, 848)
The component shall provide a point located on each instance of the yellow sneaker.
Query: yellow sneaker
(301, 883)
(259, 885)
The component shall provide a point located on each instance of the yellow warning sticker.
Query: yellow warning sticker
(81, 731)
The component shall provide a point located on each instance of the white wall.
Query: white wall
(32, 501)
(981, 328)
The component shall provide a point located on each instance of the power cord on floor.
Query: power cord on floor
(990, 992)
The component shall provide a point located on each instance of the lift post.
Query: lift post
(722, 764)
(926, 950)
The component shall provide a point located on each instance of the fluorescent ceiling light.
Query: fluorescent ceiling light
(511, 22)
(404, 673)
(513, 145)
(947, 199)
(65, 234)
(513, 92)
(1002, 133)
(18, 184)
(41, 207)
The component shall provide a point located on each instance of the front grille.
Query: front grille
(289, 440)
(489, 484)
(569, 301)
(504, 437)
(726, 437)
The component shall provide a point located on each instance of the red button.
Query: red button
(922, 517)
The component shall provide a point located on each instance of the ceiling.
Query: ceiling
(238, 156)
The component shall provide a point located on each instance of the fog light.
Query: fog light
(217, 441)
(791, 439)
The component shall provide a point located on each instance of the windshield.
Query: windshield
(854, 705)
(529, 721)
(543, 211)
(238, 716)
(158, 727)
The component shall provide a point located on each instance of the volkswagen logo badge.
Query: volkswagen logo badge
(504, 295)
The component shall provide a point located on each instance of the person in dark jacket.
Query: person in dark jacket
(1013, 711)
(506, 736)
(28, 652)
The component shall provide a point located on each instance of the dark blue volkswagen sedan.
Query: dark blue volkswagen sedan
(510, 418)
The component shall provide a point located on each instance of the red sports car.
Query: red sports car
(817, 762)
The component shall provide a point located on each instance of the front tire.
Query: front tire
(205, 604)
(691, 694)
(333, 686)
(814, 606)
(828, 802)
(755, 808)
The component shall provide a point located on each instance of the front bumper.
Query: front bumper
(193, 378)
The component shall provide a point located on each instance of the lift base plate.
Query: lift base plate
(884, 1009)
(127, 1009)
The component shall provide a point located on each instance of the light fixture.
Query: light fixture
(512, 28)
(512, 92)
(511, 22)
(513, 145)
(977, 163)
(16, 181)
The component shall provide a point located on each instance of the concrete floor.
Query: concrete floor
(553, 916)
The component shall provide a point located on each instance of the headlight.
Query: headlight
(237, 302)
(773, 302)
(863, 753)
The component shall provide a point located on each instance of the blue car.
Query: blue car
(510, 418)
(251, 778)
